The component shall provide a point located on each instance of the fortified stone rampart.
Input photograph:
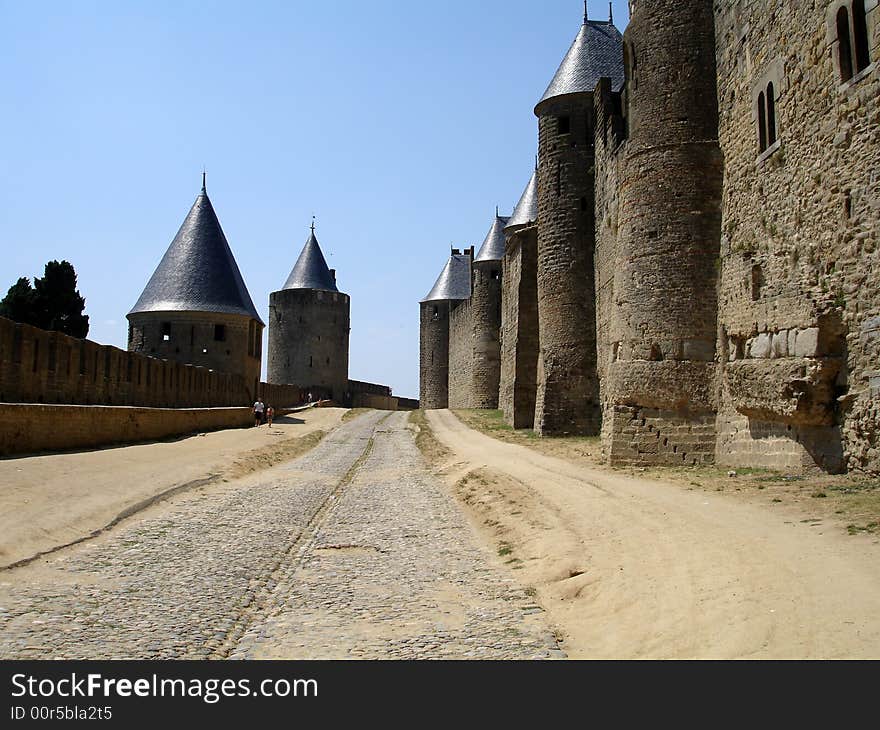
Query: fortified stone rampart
(37, 366)
(799, 324)
(308, 340)
(461, 354)
(519, 329)
(707, 224)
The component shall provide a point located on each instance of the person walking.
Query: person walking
(258, 411)
(270, 414)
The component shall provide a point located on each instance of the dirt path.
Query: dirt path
(47, 501)
(631, 567)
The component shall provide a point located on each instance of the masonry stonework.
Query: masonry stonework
(486, 319)
(716, 289)
(799, 340)
(308, 340)
(567, 398)
(434, 355)
(519, 336)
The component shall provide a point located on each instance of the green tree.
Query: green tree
(20, 303)
(53, 303)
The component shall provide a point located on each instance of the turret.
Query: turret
(452, 286)
(663, 333)
(486, 316)
(567, 399)
(309, 323)
(196, 308)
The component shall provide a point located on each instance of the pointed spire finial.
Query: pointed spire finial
(496, 211)
(313, 224)
(610, 12)
(204, 174)
(586, 12)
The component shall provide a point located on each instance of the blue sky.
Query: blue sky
(399, 125)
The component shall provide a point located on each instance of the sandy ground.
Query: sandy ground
(628, 566)
(53, 500)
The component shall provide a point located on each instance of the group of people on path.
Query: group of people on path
(263, 413)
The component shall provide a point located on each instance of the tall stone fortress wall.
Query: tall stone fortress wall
(715, 290)
(461, 354)
(799, 300)
(660, 403)
(519, 329)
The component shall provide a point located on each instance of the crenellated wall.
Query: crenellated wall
(37, 366)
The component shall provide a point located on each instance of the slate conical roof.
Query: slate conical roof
(310, 270)
(198, 272)
(526, 211)
(596, 52)
(493, 246)
(454, 282)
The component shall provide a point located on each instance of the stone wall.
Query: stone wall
(610, 134)
(37, 366)
(228, 343)
(33, 428)
(799, 300)
(567, 398)
(461, 355)
(308, 340)
(659, 308)
(486, 320)
(434, 355)
(519, 329)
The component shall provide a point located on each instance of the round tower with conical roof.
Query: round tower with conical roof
(567, 399)
(669, 229)
(452, 286)
(309, 324)
(196, 308)
(486, 316)
(519, 316)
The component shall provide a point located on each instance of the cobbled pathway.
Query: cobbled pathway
(352, 551)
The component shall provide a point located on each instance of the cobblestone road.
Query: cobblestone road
(353, 550)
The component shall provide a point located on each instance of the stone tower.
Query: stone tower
(486, 316)
(519, 317)
(195, 308)
(664, 330)
(452, 286)
(309, 328)
(567, 399)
